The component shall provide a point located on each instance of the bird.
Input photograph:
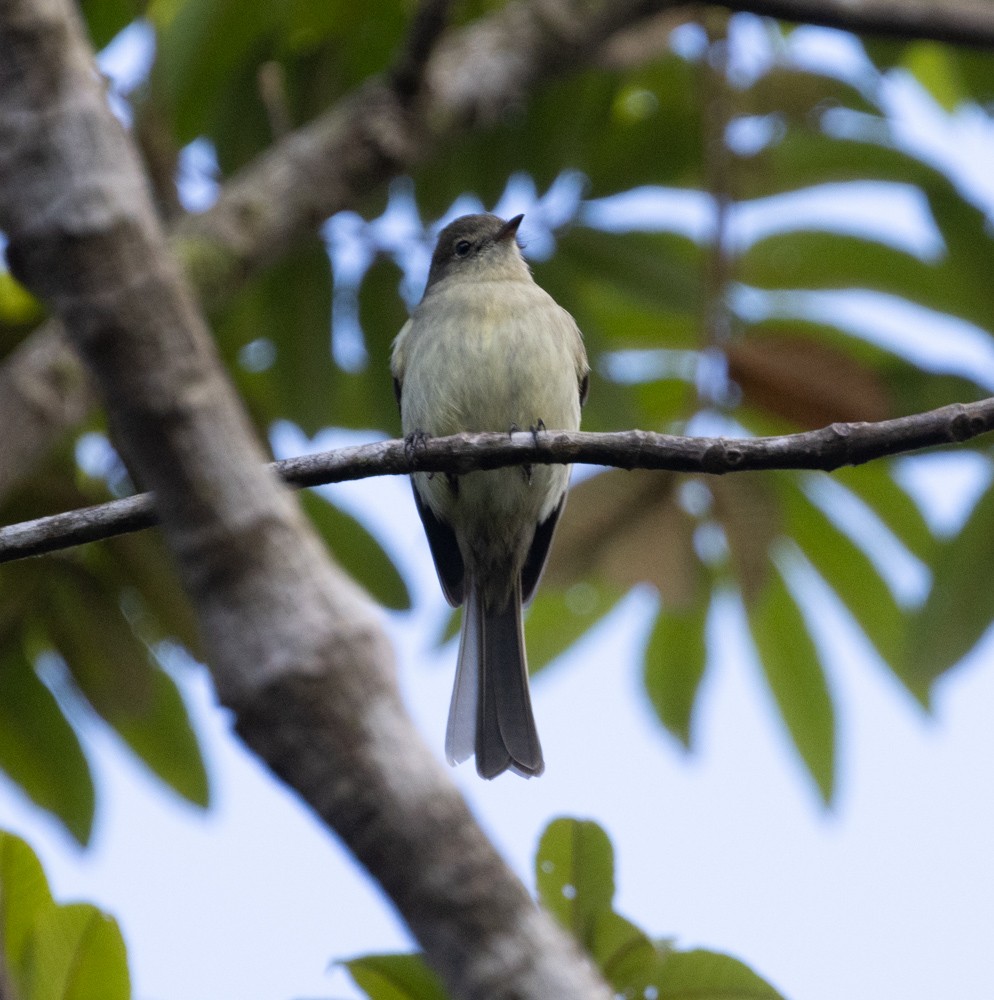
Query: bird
(487, 349)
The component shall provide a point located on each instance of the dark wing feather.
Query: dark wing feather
(539, 552)
(445, 552)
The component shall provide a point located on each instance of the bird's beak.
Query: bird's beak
(509, 229)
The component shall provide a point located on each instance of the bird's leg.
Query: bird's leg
(414, 442)
(526, 469)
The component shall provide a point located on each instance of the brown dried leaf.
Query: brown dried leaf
(746, 507)
(810, 384)
(628, 528)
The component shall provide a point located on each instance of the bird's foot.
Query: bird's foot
(414, 442)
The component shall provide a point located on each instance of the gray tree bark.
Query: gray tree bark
(295, 647)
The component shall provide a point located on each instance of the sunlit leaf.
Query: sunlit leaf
(77, 953)
(24, 899)
(395, 977)
(936, 69)
(18, 307)
(796, 680)
(625, 955)
(706, 975)
(574, 875)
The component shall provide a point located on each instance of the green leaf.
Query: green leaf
(874, 484)
(706, 975)
(201, 46)
(18, 307)
(24, 899)
(624, 954)
(365, 398)
(849, 571)
(115, 672)
(808, 157)
(796, 680)
(936, 69)
(139, 562)
(77, 953)
(960, 606)
(290, 306)
(574, 875)
(55, 952)
(798, 95)
(395, 977)
(105, 18)
(659, 272)
(357, 551)
(675, 658)
(976, 72)
(623, 130)
(819, 260)
(38, 748)
(558, 618)
(164, 739)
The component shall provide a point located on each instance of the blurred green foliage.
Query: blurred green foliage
(53, 951)
(574, 878)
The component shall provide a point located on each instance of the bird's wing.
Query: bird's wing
(531, 572)
(444, 551)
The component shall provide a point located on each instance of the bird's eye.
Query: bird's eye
(463, 248)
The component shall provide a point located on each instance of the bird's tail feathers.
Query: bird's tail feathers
(491, 711)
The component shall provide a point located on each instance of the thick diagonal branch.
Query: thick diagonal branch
(295, 647)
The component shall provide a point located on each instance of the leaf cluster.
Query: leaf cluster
(574, 876)
(49, 950)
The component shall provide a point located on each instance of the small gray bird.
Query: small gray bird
(488, 350)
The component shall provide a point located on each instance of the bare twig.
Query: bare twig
(825, 449)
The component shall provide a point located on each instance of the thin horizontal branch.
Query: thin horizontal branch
(959, 22)
(826, 449)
